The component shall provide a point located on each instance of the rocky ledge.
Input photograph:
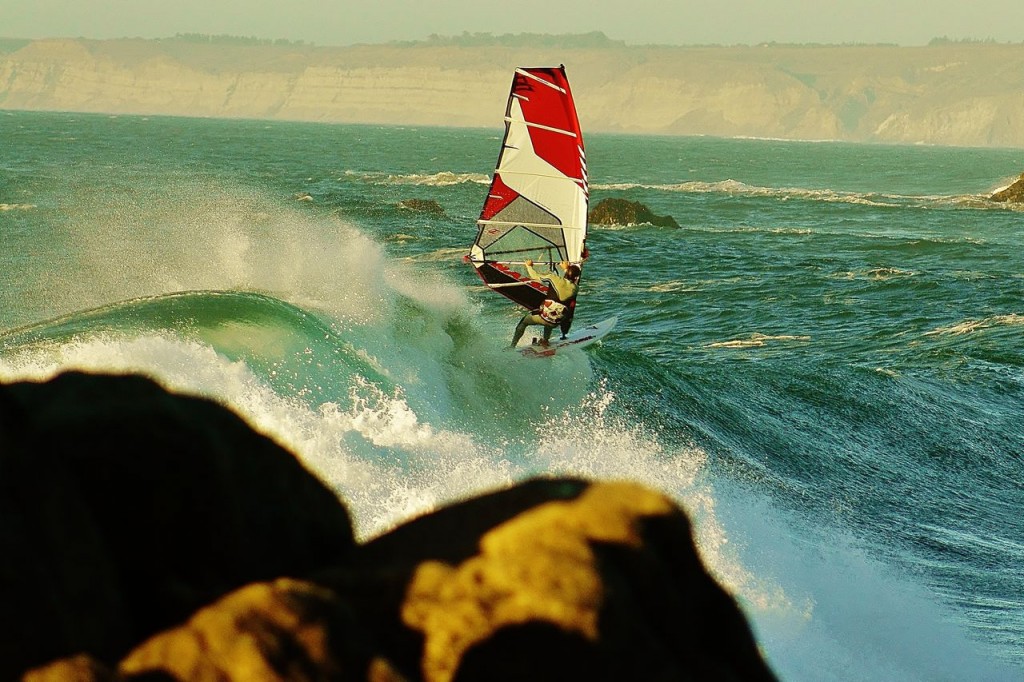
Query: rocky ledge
(148, 535)
(422, 206)
(1014, 193)
(624, 212)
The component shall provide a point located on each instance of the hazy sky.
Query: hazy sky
(671, 22)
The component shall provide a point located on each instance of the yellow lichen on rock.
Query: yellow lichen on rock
(237, 637)
(538, 565)
(81, 668)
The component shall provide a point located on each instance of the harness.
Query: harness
(551, 311)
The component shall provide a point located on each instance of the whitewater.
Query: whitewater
(823, 364)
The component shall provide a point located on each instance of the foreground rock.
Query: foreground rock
(153, 536)
(1013, 193)
(623, 212)
(126, 508)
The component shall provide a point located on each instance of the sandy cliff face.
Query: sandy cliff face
(970, 95)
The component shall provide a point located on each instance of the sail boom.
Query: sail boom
(514, 262)
(505, 285)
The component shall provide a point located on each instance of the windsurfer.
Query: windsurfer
(557, 309)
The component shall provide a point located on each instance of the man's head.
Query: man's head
(572, 273)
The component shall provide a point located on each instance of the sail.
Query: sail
(536, 207)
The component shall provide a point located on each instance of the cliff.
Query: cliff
(945, 94)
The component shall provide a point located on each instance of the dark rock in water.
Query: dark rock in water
(623, 212)
(1013, 193)
(422, 206)
(152, 536)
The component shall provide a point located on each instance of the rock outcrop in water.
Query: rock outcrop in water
(422, 206)
(624, 212)
(1014, 193)
(148, 535)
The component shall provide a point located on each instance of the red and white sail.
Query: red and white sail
(536, 208)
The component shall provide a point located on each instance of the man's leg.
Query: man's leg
(567, 320)
(521, 327)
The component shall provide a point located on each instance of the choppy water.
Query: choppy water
(823, 364)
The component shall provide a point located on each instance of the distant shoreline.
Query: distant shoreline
(590, 40)
(952, 93)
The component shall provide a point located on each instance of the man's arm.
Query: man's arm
(558, 284)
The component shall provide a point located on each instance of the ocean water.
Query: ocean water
(823, 364)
